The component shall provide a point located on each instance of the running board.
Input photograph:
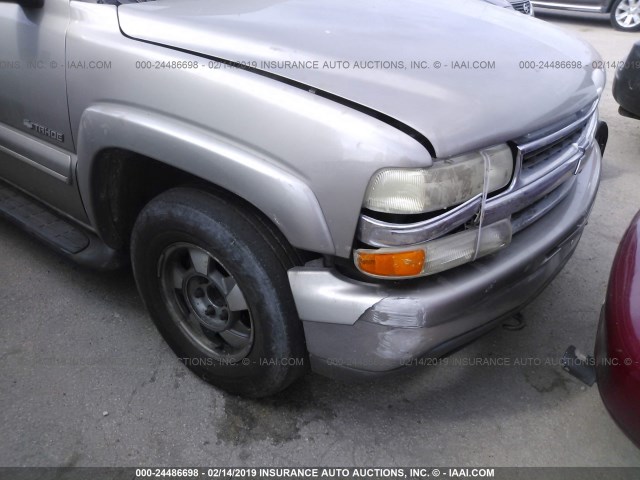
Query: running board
(59, 233)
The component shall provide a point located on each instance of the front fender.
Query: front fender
(279, 194)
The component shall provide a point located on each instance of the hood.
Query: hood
(463, 73)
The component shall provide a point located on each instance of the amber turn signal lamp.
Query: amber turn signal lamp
(400, 264)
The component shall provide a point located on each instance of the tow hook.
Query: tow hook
(579, 365)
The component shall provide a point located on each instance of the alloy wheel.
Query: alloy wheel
(627, 13)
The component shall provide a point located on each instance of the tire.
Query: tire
(625, 15)
(213, 276)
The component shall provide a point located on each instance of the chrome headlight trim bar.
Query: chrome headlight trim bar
(383, 234)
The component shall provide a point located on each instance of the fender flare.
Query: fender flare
(260, 180)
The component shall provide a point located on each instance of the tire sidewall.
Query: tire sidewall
(222, 231)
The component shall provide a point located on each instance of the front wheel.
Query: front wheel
(625, 15)
(213, 275)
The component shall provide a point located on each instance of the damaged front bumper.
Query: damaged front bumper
(354, 328)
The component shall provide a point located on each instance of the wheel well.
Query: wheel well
(123, 182)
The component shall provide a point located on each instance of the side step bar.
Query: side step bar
(70, 239)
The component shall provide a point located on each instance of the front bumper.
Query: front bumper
(355, 328)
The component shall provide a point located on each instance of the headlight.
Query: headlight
(447, 183)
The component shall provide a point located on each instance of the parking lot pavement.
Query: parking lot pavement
(86, 380)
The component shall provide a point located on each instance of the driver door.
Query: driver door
(36, 147)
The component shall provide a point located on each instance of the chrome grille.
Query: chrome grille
(545, 170)
(539, 159)
(522, 219)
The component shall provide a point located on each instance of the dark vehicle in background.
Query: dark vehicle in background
(624, 14)
(618, 340)
(626, 86)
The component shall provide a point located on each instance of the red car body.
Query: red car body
(618, 340)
